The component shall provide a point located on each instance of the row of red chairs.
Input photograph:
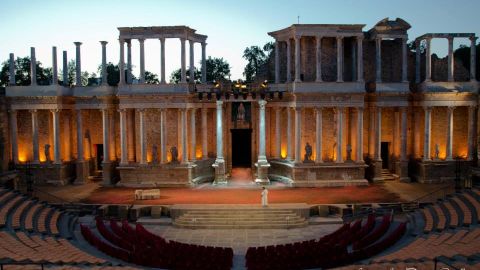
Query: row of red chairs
(374, 235)
(103, 246)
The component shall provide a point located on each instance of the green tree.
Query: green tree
(151, 78)
(217, 69)
(22, 72)
(256, 58)
(176, 76)
(113, 73)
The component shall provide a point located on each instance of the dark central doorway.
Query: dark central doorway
(385, 154)
(99, 158)
(241, 147)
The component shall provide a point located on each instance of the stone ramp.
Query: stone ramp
(276, 216)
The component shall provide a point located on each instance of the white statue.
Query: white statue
(241, 112)
(264, 197)
(437, 151)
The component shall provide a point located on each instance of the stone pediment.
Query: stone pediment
(390, 27)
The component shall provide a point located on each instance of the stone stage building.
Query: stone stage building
(367, 105)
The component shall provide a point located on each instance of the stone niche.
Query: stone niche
(318, 175)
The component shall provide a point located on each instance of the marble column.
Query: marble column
(473, 57)
(278, 135)
(262, 163)
(183, 138)
(450, 110)
(318, 135)
(80, 153)
(403, 134)
(339, 59)
(428, 59)
(13, 135)
(54, 66)
(11, 71)
(35, 147)
(163, 136)
(371, 132)
(143, 141)
(129, 61)
(289, 133)
(318, 75)
(404, 60)
(162, 60)
(427, 133)
(142, 60)
(298, 134)
(123, 137)
(106, 135)
(204, 62)
(417, 61)
(193, 135)
(289, 61)
(192, 62)
(104, 62)
(451, 63)
(33, 67)
(378, 60)
(360, 77)
(183, 62)
(297, 59)
(121, 65)
(277, 62)
(65, 69)
(339, 112)
(471, 132)
(78, 65)
(219, 164)
(359, 134)
(56, 136)
(204, 134)
(378, 135)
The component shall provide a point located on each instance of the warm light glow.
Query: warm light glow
(169, 156)
(198, 153)
(22, 156)
(283, 152)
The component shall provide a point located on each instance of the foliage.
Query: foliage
(22, 72)
(113, 73)
(217, 68)
(151, 78)
(256, 57)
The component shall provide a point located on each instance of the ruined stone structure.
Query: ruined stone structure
(362, 100)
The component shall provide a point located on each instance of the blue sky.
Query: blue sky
(230, 25)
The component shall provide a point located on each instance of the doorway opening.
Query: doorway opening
(241, 148)
(385, 154)
(99, 157)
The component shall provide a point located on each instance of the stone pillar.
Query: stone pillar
(142, 60)
(289, 133)
(427, 134)
(404, 60)
(451, 64)
(106, 164)
(121, 65)
(339, 59)
(33, 67)
(289, 61)
(473, 57)
(143, 141)
(129, 61)
(450, 110)
(104, 62)
(56, 136)
(65, 69)
(298, 134)
(13, 135)
(378, 60)
(471, 132)
(278, 138)
(360, 134)
(428, 65)
(123, 137)
(360, 77)
(193, 136)
(183, 137)
(297, 59)
(378, 134)
(262, 163)
(82, 168)
(339, 111)
(219, 164)
(204, 134)
(162, 60)
(192, 62)
(204, 62)
(54, 66)
(318, 135)
(417, 61)
(163, 135)
(403, 134)
(183, 61)
(318, 77)
(78, 65)
(371, 132)
(36, 158)
(277, 62)
(11, 74)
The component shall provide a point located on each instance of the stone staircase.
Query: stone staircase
(387, 175)
(97, 177)
(240, 219)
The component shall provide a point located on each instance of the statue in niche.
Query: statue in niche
(47, 153)
(308, 153)
(349, 152)
(437, 151)
(174, 153)
(241, 112)
(154, 154)
(89, 143)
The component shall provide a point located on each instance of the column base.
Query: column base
(262, 172)
(220, 178)
(377, 175)
(82, 172)
(107, 173)
(401, 169)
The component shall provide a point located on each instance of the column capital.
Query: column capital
(360, 38)
(472, 38)
(182, 39)
(427, 108)
(191, 42)
(318, 37)
(219, 104)
(450, 38)
(193, 109)
(55, 110)
(104, 43)
(297, 37)
(12, 111)
(472, 107)
(129, 42)
(203, 43)
(297, 109)
(428, 39)
(122, 110)
(141, 40)
(140, 110)
(77, 43)
(262, 103)
(162, 39)
(339, 38)
(360, 109)
(451, 108)
(33, 110)
(318, 109)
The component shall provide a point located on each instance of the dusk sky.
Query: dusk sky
(231, 26)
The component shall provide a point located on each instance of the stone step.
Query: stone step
(242, 226)
(200, 219)
(254, 211)
(239, 214)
